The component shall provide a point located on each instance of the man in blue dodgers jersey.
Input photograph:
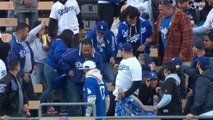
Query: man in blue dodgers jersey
(134, 30)
(104, 43)
(95, 90)
(71, 64)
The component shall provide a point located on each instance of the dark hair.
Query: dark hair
(210, 35)
(68, 37)
(13, 64)
(86, 42)
(122, 15)
(131, 12)
(21, 26)
(170, 66)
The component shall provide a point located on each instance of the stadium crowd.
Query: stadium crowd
(111, 66)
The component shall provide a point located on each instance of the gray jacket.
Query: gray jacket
(20, 7)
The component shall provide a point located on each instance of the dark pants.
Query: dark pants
(111, 111)
(28, 88)
(107, 12)
(189, 103)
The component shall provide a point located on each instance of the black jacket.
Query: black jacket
(9, 95)
(203, 93)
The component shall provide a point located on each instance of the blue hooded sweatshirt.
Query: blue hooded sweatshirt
(144, 32)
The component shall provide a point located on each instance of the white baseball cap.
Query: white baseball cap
(87, 65)
(3, 70)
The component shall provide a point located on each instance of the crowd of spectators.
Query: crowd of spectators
(84, 70)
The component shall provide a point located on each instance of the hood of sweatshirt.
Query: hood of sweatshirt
(175, 76)
(94, 73)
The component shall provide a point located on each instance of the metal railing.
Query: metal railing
(102, 117)
(121, 117)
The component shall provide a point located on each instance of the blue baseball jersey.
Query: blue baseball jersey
(93, 88)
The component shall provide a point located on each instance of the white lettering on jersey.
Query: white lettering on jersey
(2, 88)
(65, 10)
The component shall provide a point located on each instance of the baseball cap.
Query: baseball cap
(202, 61)
(126, 47)
(102, 26)
(152, 76)
(177, 61)
(199, 44)
(87, 65)
(166, 2)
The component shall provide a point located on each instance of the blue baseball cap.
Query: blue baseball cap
(152, 76)
(203, 61)
(102, 26)
(126, 47)
(177, 61)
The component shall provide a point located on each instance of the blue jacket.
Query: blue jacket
(145, 31)
(17, 52)
(74, 60)
(57, 48)
(110, 43)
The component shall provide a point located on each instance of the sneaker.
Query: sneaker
(51, 110)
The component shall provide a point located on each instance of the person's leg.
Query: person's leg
(28, 87)
(49, 73)
(21, 17)
(42, 77)
(36, 77)
(106, 12)
(63, 109)
(74, 94)
(33, 17)
(10, 14)
(111, 111)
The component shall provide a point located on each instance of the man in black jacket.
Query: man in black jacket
(13, 101)
(203, 92)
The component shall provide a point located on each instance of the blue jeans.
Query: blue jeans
(32, 17)
(64, 95)
(108, 73)
(50, 73)
(74, 94)
(39, 76)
